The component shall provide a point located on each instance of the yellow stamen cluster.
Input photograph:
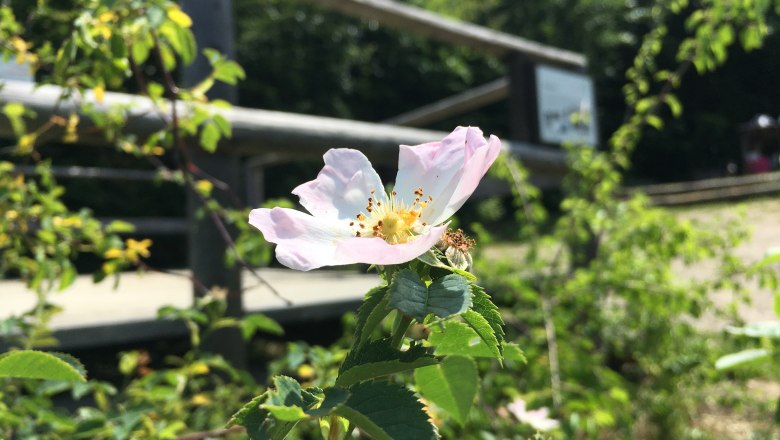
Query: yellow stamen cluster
(392, 221)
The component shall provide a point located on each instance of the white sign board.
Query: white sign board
(12, 70)
(566, 107)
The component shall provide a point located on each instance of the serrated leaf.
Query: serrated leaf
(371, 312)
(285, 413)
(274, 414)
(742, 357)
(482, 304)
(449, 295)
(480, 325)
(334, 397)
(451, 385)
(379, 358)
(31, 364)
(252, 418)
(512, 352)
(445, 296)
(457, 338)
(387, 411)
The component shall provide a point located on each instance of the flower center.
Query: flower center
(392, 221)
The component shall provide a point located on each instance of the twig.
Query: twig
(202, 435)
(195, 282)
(232, 245)
(552, 351)
(189, 167)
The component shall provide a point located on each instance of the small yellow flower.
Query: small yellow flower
(11, 215)
(306, 372)
(199, 368)
(113, 253)
(4, 240)
(136, 249)
(19, 44)
(100, 93)
(204, 187)
(200, 399)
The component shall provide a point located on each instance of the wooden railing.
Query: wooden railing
(261, 137)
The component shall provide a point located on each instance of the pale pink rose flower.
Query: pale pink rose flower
(353, 220)
(537, 418)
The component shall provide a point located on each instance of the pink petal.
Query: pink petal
(342, 188)
(375, 250)
(303, 242)
(475, 169)
(449, 171)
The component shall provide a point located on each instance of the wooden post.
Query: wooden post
(522, 99)
(213, 28)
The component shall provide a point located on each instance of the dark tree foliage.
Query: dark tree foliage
(304, 59)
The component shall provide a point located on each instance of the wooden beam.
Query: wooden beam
(79, 172)
(414, 19)
(454, 105)
(291, 136)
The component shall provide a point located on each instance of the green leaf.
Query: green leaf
(482, 304)
(371, 312)
(334, 397)
(674, 105)
(209, 137)
(31, 364)
(512, 352)
(451, 385)
(742, 357)
(449, 295)
(259, 322)
(387, 411)
(285, 413)
(119, 226)
(252, 418)
(777, 303)
(379, 358)
(457, 338)
(483, 329)
(446, 296)
(68, 275)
